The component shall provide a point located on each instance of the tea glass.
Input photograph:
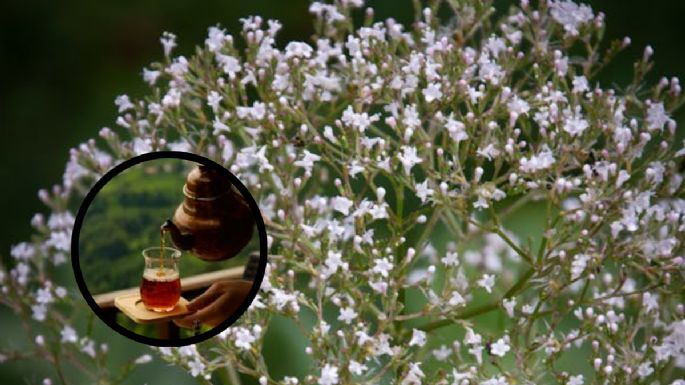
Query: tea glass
(160, 288)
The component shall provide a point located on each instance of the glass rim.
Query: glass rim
(173, 252)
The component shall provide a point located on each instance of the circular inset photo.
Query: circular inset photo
(169, 248)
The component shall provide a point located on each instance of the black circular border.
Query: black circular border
(75, 263)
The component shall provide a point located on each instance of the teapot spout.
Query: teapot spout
(183, 241)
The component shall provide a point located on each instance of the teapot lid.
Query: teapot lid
(206, 183)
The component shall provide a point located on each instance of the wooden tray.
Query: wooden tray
(132, 306)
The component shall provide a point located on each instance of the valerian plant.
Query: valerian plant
(363, 143)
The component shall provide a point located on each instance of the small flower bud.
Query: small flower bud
(380, 194)
(649, 51)
(478, 174)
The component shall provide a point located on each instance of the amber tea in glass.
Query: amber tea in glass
(160, 288)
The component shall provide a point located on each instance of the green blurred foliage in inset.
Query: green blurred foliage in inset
(65, 62)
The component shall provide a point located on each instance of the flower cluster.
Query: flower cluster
(392, 163)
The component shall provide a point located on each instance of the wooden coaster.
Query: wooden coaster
(132, 305)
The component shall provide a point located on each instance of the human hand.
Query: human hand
(216, 304)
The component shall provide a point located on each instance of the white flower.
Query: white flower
(578, 265)
(379, 286)
(500, 347)
(172, 98)
(229, 64)
(168, 41)
(490, 71)
(215, 39)
(219, 126)
(509, 304)
(456, 299)
(213, 100)
(307, 161)
(487, 282)
(442, 353)
(347, 315)
(576, 380)
(537, 162)
(142, 146)
(574, 124)
(645, 369)
(423, 192)
(495, 45)
(451, 259)
(382, 266)
(144, 359)
(197, 367)
(360, 121)
(580, 84)
(409, 158)
(499, 380)
(69, 334)
(656, 116)
(281, 299)
(571, 15)
(356, 368)
(165, 351)
(244, 339)
(298, 49)
(250, 156)
(123, 103)
(39, 312)
(23, 251)
(458, 377)
(44, 295)
(411, 117)
(418, 338)
(414, 375)
(88, 347)
(432, 92)
(341, 204)
(332, 263)
(650, 301)
(150, 76)
(456, 129)
(329, 375)
(21, 273)
(328, 12)
(518, 106)
(488, 151)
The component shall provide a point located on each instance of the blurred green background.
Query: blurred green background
(63, 63)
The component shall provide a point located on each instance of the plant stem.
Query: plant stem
(476, 311)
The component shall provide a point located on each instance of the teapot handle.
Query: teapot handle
(183, 241)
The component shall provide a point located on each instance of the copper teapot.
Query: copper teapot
(214, 222)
